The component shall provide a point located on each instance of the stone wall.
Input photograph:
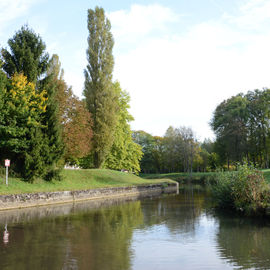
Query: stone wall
(45, 198)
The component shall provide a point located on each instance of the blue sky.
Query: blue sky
(178, 59)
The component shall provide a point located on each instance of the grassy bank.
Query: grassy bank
(77, 180)
(196, 177)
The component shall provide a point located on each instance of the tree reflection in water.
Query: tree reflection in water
(89, 239)
(180, 230)
(244, 242)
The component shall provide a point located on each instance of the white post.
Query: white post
(7, 175)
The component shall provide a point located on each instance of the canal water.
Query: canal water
(167, 232)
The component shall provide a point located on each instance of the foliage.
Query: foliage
(125, 153)
(53, 148)
(243, 190)
(73, 116)
(213, 161)
(99, 93)
(148, 145)
(35, 143)
(20, 126)
(230, 125)
(27, 55)
(178, 150)
(259, 125)
(241, 125)
(86, 162)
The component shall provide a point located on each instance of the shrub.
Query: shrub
(244, 190)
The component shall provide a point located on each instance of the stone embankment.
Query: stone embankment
(46, 198)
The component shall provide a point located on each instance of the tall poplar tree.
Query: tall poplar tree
(101, 99)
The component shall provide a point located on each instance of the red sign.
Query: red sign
(7, 162)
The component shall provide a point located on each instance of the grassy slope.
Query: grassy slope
(195, 176)
(77, 180)
(177, 176)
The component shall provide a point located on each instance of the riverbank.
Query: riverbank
(79, 185)
(77, 180)
(46, 198)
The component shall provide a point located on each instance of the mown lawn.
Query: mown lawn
(77, 180)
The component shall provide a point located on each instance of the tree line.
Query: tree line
(242, 127)
(43, 125)
(177, 151)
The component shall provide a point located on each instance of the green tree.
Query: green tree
(99, 93)
(258, 126)
(3, 85)
(172, 150)
(27, 55)
(147, 143)
(125, 153)
(53, 149)
(230, 126)
(20, 126)
(189, 148)
(73, 116)
(158, 154)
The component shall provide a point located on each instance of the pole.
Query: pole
(7, 175)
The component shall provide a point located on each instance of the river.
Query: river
(168, 232)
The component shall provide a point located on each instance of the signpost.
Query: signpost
(7, 164)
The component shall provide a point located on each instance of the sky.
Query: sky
(178, 59)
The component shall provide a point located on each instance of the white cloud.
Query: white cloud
(138, 22)
(180, 79)
(12, 9)
(253, 14)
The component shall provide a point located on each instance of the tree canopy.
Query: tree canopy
(241, 125)
(26, 55)
(125, 153)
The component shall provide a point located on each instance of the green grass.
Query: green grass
(196, 177)
(180, 177)
(266, 174)
(77, 180)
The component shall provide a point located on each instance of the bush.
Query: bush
(243, 190)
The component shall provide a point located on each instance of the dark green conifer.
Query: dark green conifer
(27, 55)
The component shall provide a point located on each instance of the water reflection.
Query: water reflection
(168, 232)
(180, 213)
(83, 239)
(5, 235)
(244, 242)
